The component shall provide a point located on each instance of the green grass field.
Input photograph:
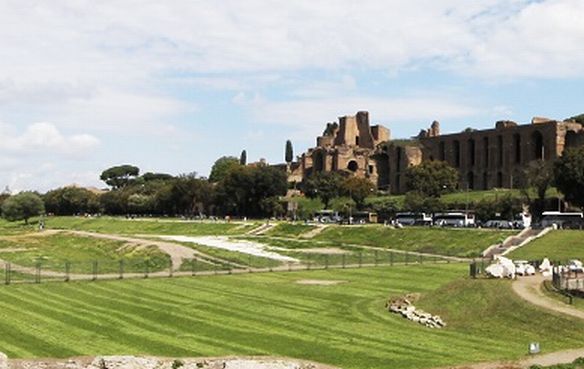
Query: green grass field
(561, 245)
(117, 225)
(53, 251)
(269, 314)
(442, 241)
(289, 230)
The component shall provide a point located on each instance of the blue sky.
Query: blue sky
(171, 86)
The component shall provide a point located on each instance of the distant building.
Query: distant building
(484, 158)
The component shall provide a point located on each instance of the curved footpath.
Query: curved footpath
(529, 289)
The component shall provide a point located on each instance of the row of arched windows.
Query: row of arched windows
(537, 152)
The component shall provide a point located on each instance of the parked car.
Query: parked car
(499, 224)
(523, 268)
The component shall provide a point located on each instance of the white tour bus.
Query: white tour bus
(562, 220)
(410, 219)
(455, 219)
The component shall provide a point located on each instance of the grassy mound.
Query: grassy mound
(53, 251)
(560, 245)
(147, 226)
(289, 230)
(442, 241)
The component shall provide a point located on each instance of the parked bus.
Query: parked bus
(562, 220)
(454, 219)
(410, 219)
(327, 216)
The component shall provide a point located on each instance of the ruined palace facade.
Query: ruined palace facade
(348, 146)
(485, 159)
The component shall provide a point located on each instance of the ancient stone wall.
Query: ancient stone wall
(484, 158)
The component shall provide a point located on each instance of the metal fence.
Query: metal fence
(43, 271)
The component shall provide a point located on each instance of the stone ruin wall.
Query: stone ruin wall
(484, 158)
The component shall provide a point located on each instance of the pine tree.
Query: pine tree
(289, 152)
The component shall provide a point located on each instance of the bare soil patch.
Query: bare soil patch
(320, 282)
(132, 362)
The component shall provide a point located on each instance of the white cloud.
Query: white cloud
(543, 39)
(308, 116)
(45, 137)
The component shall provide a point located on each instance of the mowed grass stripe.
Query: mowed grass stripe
(343, 325)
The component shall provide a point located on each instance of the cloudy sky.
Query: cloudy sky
(172, 85)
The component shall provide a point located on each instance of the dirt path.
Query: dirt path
(529, 289)
(553, 358)
(364, 247)
(313, 233)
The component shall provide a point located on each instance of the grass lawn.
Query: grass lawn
(561, 245)
(53, 251)
(269, 314)
(442, 241)
(14, 228)
(118, 225)
(289, 230)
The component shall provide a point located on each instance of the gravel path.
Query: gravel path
(225, 243)
(529, 289)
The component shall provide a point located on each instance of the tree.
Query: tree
(119, 176)
(432, 178)
(358, 189)
(324, 185)
(538, 177)
(578, 119)
(243, 158)
(343, 205)
(71, 200)
(191, 195)
(386, 207)
(418, 202)
(569, 175)
(222, 167)
(307, 208)
(149, 176)
(289, 156)
(244, 190)
(22, 206)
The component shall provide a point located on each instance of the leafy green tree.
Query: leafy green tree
(222, 167)
(71, 200)
(139, 204)
(418, 202)
(569, 175)
(289, 156)
(272, 206)
(343, 205)
(578, 119)
(244, 190)
(307, 207)
(22, 206)
(432, 178)
(149, 176)
(191, 195)
(114, 202)
(119, 176)
(537, 177)
(386, 207)
(358, 189)
(243, 158)
(324, 185)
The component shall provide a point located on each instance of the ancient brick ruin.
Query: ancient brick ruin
(485, 159)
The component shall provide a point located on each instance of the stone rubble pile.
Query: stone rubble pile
(405, 308)
(133, 362)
